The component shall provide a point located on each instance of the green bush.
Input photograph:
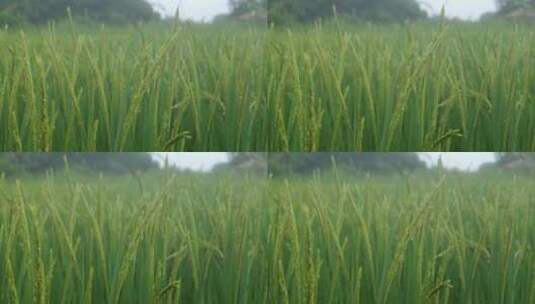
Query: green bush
(15, 12)
(13, 164)
(287, 12)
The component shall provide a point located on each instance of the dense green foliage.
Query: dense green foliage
(110, 163)
(232, 239)
(505, 6)
(42, 11)
(284, 164)
(240, 7)
(339, 87)
(304, 11)
(518, 162)
(511, 157)
(288, 12)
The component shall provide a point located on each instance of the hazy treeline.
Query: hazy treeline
(510, 5)
(517, 161)
(112, 163)
(281, 12)
(276, 12)
(282, 164)
(285, 164)
(305, 163)
(284, 12)
(273, 164)
(42, 11)
(276, 164)
(304, 11)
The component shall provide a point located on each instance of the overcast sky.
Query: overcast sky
(206, 161)
(201, 161)
(198, 10)
(462, 161)
(205, 10)
(465, 9)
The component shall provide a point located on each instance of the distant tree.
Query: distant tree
(246, 6)
(246, 10)
(281, 164)
(305, 163)
(515, 160)
(507, 6)
(285, 11)
(118, 163)
(42, 11)
(111, 163)
(247, 161)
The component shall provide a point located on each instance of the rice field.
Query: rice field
(165, 238)
(402, 88)
(331, 87)
(154, 88)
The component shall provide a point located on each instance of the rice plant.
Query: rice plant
(402, 88)
(336, 87)
(228, 239)
(81, 88)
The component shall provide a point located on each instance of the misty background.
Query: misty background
(207, 161)
(206, 10)
(278, 12)
(14, 165)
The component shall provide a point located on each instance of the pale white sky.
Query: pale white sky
(197, 10)
(205, 10)
(206, 161)
(462, 161)
(201, 161)
(465, 9)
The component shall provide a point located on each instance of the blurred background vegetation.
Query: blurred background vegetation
(260, 164)
(275, 12)
(292, 164)
(290, 12)
(305, 11)
(14, 164)
(283, 164)
(14, 12)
